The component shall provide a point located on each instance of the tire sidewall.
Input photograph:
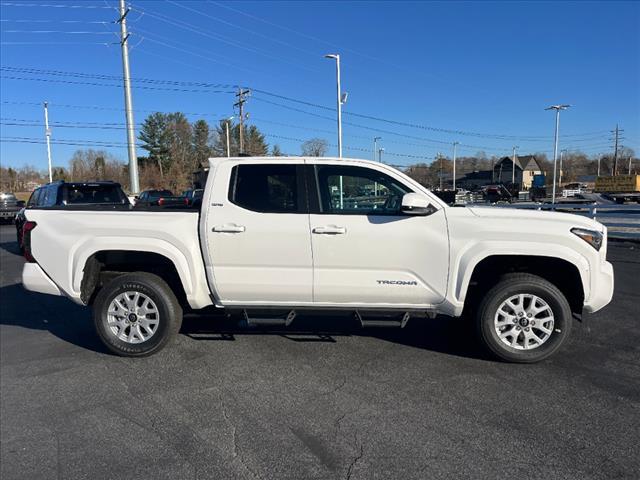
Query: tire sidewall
(561, 327)
(152, 290)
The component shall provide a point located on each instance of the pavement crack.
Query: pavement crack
(356, 458)
(234, 436)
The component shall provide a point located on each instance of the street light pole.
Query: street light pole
(557, 108)
(599, 159)
(513, 173)
(336, 57)
(380, 150)
(455, 144)
(226, 124)
(375, 146)
(561, 157)
(47, 132)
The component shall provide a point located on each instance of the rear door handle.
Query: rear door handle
(330, 230)
(229, 228)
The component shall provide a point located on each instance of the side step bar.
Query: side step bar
(381, 320)
(269, 321)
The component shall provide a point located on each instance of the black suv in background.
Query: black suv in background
(60, 194)
(9, 206)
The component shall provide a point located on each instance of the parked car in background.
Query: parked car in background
(8, 207)
(61, 194)
(160, 198)
(194, 197)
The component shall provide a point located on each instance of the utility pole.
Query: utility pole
(599, 160)
(616, 139)
(375, 146)
(629, 165)
(513, 159)
(47, 133)
(440, 158)
(128, 104)
(557, 108)
(240, 104)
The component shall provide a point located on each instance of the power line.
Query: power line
(40, 5)
(100, 107)
(56, 43)
(524, 138)
(229, 41)
(58, 31)
(94, 84)
(23, 20)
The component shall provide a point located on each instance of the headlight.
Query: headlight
(592, 237)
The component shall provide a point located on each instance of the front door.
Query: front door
(365, 250)
(258, 235)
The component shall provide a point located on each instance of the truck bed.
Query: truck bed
(76, 233)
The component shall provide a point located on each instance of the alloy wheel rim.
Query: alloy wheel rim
(524, 321)
(133, 317)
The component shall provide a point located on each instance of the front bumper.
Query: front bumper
(601, 288)
(35, 280)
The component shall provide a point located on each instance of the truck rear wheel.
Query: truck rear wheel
(136, 314)
(523, 318)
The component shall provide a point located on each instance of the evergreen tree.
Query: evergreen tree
(254, 142)
(201, 148)
(154, 134)
(275, 151)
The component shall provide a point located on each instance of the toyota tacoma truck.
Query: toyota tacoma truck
(280, 236)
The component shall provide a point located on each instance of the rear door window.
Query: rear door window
(93, 194)
(268, 188)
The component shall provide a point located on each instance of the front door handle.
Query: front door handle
(229, 228)
(330, 230)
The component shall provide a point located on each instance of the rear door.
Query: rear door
(365, 250)
(258, 238)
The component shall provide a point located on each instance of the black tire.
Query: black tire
(156, 289)
(508, 286)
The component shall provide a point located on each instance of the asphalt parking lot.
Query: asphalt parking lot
(319, 400)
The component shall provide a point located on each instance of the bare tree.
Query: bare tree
(315, 147)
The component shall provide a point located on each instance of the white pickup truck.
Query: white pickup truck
(285, 235)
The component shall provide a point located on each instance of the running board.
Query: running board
(378, 320)
(269, 321)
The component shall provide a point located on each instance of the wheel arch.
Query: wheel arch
(568, 272)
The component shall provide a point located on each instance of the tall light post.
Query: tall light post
(47, 132)
(562, 152)
(226, 127)
(375, 146)
(380, 150)
(455, 145)
(557, 108)
(513, 169)
(340, 99)
(599, 160)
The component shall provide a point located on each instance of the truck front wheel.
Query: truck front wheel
(136, 314)
(523, 318)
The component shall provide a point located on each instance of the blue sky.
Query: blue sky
(480, 73)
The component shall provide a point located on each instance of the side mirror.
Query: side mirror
(416, 204)
(21, 203)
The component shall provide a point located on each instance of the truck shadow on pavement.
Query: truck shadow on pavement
(73, 324)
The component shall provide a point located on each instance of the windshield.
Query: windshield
(7, 197)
